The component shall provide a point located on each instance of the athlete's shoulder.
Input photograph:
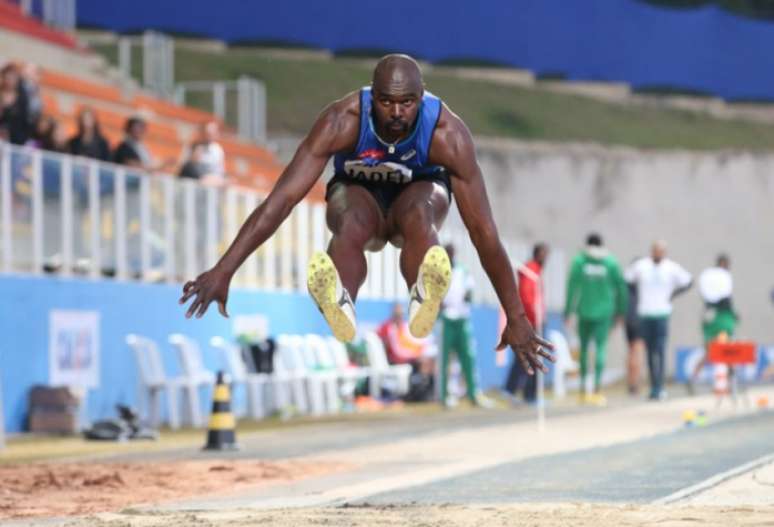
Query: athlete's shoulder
(338, 125)
(451, 137)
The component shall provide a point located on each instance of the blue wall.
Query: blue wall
(153, 311)
(705, 49)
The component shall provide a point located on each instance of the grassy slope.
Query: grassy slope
(298, 89)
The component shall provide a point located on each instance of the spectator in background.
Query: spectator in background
(212, 157)
(715, 287)
(457, 335)
(29, 91)
(88, 140)
(15, 112)
(55, 140)
(634, 342)
(194, 168)
(530, 279)
(596, 293)
(403, 348)
(658, 280)
(132, 151)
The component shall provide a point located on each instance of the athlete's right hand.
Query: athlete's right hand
(209, 286)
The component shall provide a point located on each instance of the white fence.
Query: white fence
(75, 216)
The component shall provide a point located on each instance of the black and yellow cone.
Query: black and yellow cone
(221, 434)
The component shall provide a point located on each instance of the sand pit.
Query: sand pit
(64, 489)
(538, 515)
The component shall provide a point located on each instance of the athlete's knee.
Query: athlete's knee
(417, 220)
(355, 228)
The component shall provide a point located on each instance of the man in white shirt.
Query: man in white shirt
(715, 287)
(658, 280)
(212, 157)
(457, 334)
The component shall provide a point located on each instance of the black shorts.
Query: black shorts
(386, 193)
(633, 331)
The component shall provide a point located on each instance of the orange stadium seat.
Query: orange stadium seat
(67, 83)
(173, 111)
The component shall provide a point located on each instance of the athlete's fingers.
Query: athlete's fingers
(203, 308)
(543, 353)
(186, 295)
(192, 309)
(222, 308)
(503, 343)
(525, 362)
(543, 342)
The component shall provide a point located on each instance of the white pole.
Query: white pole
(145, 249)
(189, 218)
(120, 224)
(66, 201)
(94, 219)
(212, 226)
(5, 201)
(37, 213)
(169, 230)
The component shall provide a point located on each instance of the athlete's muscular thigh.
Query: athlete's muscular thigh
(421, 207)
(353, 213)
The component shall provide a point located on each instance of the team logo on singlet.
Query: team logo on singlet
(369, 166)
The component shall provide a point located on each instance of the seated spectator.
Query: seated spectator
(89, 141)
(40, 131)
(212, 153)
(403, 348)
(15, 112)
(132, 151)
(55, 140)
(196, 167)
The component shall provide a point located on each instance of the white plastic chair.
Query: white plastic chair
(324, 369)
(304, 364)
(195, 375)
(153, 381)
(290, 370)
(338, 352)
(255, 383)
(564, 363)
(382, 370)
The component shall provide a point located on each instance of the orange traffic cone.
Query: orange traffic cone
(221, 434)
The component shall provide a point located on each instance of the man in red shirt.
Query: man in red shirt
(531, 291)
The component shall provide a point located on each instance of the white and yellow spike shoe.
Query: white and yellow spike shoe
(433, 282)
(331, 298)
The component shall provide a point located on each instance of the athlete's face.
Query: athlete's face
(395, 108)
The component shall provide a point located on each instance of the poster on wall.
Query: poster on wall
(73, 348)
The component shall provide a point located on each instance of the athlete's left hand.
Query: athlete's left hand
(526, 344)
(210, 286)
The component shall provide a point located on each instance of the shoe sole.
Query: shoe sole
(436, 278)
(321, 282)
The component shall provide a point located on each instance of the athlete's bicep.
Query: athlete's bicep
(468, 185)
(330, 133)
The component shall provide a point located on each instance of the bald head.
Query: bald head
(397, 73)
(397, 93)
(658, 250)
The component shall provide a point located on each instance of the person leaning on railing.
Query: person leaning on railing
(88, 140)
(132, 151)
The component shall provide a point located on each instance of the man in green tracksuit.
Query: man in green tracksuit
(596, 292)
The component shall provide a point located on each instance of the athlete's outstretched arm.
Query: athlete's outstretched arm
(334, 130)
(453, 148)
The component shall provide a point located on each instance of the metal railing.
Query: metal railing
(240, 103)
(76, 216)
